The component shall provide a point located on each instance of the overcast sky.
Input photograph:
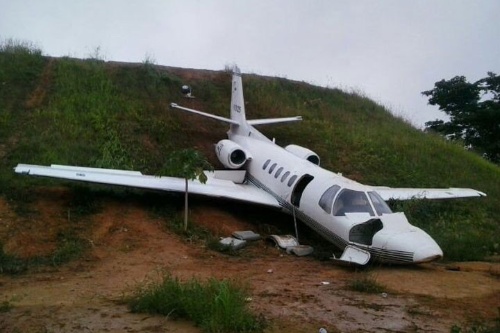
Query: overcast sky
(389, 50)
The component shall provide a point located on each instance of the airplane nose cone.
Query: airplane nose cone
(404, 243)
(414, 246)
(427, 254)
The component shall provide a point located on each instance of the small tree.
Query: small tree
(188, 164)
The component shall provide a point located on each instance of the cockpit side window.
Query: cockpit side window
(326, 200)
(380, 206)
(350, 201)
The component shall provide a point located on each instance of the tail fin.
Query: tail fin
(237, 101)
(238, 114)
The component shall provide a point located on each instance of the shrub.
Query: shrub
(10, 264)
(215, 306)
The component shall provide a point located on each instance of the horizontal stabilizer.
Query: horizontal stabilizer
(273, 120)
(226, 120)
(389, 193)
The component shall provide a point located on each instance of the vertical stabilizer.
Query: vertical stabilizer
(238, 122)
(237, 101)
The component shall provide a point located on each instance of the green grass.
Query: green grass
(478, 326)
(69, 247)
(214, 305)
(93, 113)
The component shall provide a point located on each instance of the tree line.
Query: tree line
(474, 113)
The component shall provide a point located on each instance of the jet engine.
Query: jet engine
(304, 153)
(230, 154)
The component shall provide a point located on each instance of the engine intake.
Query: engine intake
(303, 153)
(230, 154)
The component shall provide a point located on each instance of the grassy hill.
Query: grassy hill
(113, 115)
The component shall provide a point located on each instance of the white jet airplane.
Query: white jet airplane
(352, 216)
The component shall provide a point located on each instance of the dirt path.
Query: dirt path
(129, 245)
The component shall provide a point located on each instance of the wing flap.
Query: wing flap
(214, 187)
(388, 193)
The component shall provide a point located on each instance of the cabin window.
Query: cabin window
(350, 201)
(291, 180)
(266, 164)
(380, 206)
(326, 200)
(271, 169)
(285, 175)
(280, 170)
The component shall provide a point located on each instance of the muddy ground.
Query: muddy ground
(127, 245)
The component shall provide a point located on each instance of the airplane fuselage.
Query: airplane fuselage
(313, 194)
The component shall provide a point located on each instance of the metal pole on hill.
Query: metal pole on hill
(186, 206)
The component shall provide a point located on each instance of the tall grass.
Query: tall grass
(215, 306)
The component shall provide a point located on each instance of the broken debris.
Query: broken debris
(300, 250)
(247, 235)
(291, 245)
(233, 243)
(284, 241)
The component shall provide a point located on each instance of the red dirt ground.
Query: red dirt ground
(128, 245)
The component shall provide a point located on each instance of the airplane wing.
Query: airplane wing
(388, 193)
(220, 184)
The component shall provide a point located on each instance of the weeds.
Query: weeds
(69, 248)
(365, 283)
(15, 46)
(215, 306)
(192, 234)
(85, 201)
(5, 306)
(10, 264)
(478, 326)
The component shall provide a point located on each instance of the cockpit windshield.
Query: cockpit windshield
(350, 201)
(380, 206)
(326, 200)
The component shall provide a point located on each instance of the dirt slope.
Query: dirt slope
(127, 245)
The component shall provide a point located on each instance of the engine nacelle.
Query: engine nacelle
(304, 153)
(230, 154)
